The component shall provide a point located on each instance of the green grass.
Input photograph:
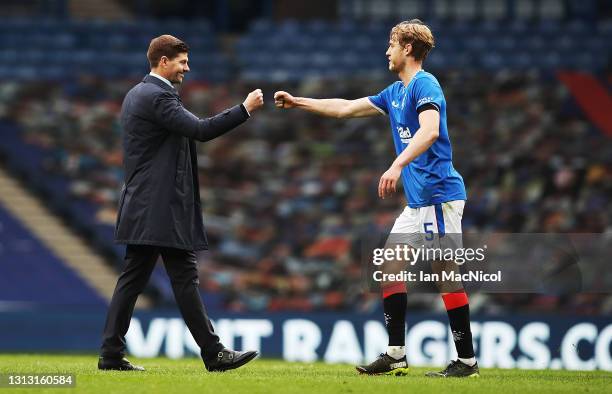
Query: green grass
(274, 376)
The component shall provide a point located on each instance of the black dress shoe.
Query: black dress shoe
(228, 359)
(117, 364)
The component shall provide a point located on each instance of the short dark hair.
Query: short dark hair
(165, 45)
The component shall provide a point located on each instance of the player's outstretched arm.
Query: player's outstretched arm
(335, 108)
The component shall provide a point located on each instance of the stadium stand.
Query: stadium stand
(288, 196)
(284, 204)
(291, 50)
(53, 49)
(26, 260)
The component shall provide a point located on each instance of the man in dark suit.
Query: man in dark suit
(159, 208)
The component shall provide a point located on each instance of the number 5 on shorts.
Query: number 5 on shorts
(428, 231)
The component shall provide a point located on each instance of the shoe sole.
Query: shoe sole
(394, 372)
(120, 369)
(238, 364)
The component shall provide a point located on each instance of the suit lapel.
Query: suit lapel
(156, 81)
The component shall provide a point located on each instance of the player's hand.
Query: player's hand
(388, 181)
(284, 100)
(254, 100)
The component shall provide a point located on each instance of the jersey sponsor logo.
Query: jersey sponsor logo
(404, 133)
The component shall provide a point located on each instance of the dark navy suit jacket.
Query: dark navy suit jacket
(160, 199)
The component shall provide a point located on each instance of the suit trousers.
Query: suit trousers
(181, 266)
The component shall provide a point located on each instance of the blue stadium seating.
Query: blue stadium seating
(27, 160)
(316, 46)
(24, 259)
(50, 49)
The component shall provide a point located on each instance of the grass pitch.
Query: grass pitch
(273, 376)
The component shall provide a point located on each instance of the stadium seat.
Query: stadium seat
(26, 260)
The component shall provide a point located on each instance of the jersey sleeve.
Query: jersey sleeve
(427, 92)
(380, 100)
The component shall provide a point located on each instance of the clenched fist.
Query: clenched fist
(254, 100)
(284, 100)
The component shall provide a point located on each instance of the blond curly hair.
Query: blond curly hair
(416, 33)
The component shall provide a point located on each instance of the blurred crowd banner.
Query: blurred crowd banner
(511, 341)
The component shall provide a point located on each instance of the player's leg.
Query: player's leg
(458, 310)
(393, 361)
(445, 221)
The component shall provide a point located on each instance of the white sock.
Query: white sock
(468, 361)
(396, 352)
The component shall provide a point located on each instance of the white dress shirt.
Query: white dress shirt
(162, 78)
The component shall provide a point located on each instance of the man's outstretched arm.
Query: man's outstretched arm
(335, 108)
(170, 112)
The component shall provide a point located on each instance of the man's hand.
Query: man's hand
(254, 100)
(284, 100)
(388, 181)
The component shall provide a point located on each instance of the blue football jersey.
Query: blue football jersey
(430, 178)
